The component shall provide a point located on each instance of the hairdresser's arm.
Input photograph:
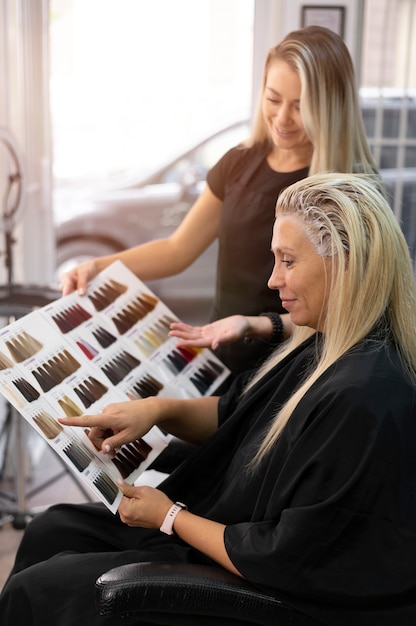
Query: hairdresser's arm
(227, 330)
(161, 257)
(192, 420)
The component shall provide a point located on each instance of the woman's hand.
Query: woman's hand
(143, 506)
(119, 423)
(223, 331)
(227, 330)
(147, 507)
(78, 278)
(190, 419)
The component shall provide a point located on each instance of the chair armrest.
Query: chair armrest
(189, 594)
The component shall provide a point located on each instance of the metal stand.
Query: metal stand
(15, 302)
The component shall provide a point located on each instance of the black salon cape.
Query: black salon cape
(329, 520)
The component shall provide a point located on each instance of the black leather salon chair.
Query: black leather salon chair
(188, 595)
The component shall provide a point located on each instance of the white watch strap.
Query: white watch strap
(167, 526)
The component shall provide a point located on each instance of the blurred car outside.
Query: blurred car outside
(122, 216)
(119, 217)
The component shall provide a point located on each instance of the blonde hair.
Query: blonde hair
(329, 101)
(346, 217)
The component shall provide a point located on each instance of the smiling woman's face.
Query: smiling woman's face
(300, 275)
(281, 107)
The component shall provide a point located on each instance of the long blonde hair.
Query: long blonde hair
(347, 218)
(329, 101)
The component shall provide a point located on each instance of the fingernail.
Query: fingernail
(107, 448)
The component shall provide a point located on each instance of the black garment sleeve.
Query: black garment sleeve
(230, 399)
(229, 168)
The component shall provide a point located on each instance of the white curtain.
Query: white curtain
(24, 113)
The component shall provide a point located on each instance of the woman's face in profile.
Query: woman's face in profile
(300, 274)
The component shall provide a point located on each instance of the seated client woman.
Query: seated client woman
(304, 477)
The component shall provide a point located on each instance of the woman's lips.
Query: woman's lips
(284, 133)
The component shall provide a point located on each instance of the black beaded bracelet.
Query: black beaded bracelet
(278, 330)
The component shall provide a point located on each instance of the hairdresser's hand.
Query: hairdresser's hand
(143, 506)
(226, 330)
(77, 279)
(119, 423)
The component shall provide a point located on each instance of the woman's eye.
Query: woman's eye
(287, 262)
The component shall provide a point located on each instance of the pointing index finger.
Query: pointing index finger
(83, 420)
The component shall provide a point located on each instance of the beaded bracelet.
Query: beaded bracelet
(278, 330)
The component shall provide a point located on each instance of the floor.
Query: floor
(46, 481)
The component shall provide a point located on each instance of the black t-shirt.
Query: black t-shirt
(249, 189)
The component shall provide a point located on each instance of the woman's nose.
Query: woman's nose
(283, 114)
(276, 278)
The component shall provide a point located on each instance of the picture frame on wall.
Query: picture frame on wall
(332, 17)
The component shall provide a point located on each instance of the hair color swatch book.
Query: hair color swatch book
(79, 354)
